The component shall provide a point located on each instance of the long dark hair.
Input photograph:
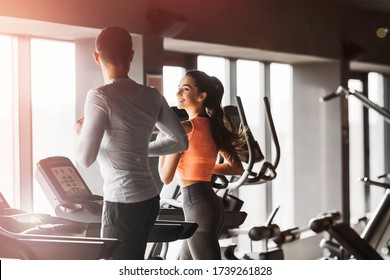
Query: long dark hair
(225, 139)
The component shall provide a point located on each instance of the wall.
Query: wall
(317, 141)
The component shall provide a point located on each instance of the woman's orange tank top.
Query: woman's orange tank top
(197, 162)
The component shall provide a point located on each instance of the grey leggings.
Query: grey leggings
(202, 206)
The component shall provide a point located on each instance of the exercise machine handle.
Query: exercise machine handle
(273, 133)
(337, 93)
(324, 221)
(370, 182)
(264, 232)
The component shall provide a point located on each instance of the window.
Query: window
(53, 105)
(171, 79)
(250, 87)
(377, 136)
(356, 155)
(281, 99)
(216, 66)
(8, 142)
(47, 88)
(358, 201)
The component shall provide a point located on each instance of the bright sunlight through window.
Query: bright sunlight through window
(53, 105)
(6, 120)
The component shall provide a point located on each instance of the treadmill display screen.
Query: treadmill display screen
(61, 181)
(69, 181)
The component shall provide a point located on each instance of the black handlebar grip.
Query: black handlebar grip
(324, 221)
(288, 235)
(263, 232)
(259, 233)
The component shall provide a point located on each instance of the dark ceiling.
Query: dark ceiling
(382, 6)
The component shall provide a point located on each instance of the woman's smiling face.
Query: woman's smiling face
(188, 93)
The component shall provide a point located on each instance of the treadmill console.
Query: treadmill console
(67, 191)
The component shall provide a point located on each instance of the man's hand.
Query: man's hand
(79, 125)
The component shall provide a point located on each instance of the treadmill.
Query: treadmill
(73, 200)
(33, 236)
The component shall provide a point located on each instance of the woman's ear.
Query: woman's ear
(202, 96)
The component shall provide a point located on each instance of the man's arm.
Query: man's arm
(92, 130)
(175, 139)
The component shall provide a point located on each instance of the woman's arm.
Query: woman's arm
(168, 163)
(167, 167)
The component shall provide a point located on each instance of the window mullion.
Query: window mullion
(25, 124)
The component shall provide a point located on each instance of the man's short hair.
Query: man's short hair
(114, 44)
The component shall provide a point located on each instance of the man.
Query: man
(119, 118)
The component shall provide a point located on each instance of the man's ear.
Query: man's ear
(96, 56)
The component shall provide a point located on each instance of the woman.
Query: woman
(200, 95)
